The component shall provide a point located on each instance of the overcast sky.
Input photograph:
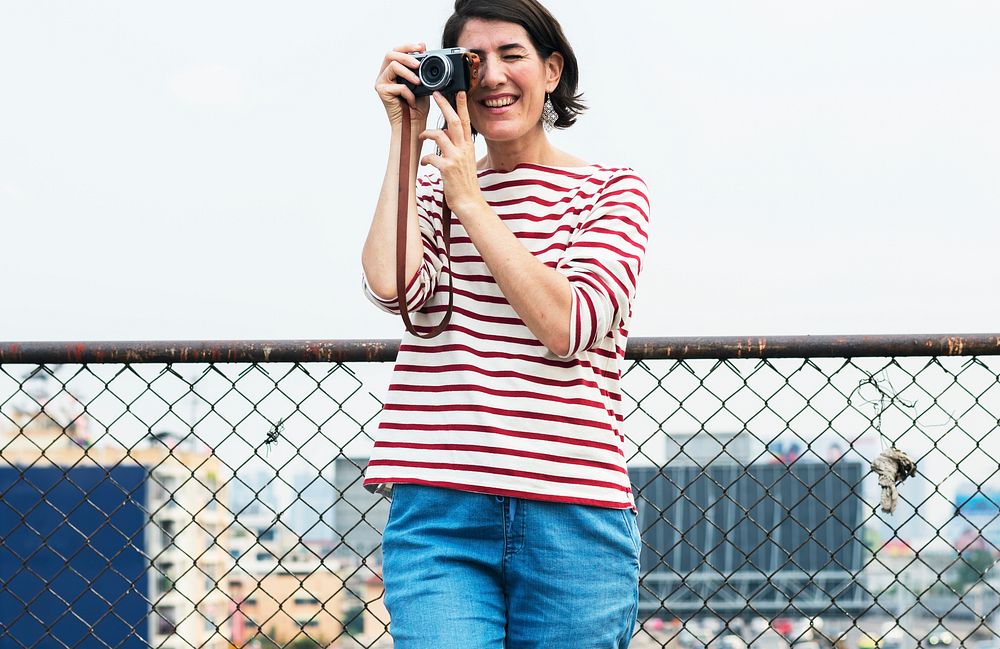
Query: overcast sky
(207, 170)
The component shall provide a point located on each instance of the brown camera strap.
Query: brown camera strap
(402, 220)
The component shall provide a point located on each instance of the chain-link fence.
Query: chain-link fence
(208, 495)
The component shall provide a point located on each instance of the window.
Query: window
(156, 492)
(167, 530)
(164, 580)
(168, 481)
(166, 621)
(164, 584)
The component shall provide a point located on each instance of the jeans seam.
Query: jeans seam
(633, 614)
(516, 541)
(392, 502)
(630, 620)
(506, 539)
(636, 546)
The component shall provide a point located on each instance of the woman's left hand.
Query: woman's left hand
(456, 159)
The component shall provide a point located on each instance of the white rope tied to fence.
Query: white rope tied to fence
(893, 467)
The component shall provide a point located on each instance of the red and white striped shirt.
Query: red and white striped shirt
(485, 406)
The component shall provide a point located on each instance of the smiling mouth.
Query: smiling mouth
(498, 103)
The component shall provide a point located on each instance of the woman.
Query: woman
(512, 519)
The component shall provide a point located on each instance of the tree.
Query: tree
(970, 568)
(265, 641)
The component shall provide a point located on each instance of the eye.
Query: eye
(512, 57)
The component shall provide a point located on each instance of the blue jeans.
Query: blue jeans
(474, 571)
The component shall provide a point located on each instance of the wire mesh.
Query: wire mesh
(218, 504)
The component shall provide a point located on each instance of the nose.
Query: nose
(491, 73)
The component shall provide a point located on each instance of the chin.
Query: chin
(503, 132)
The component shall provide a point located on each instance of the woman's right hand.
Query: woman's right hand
(399, 63)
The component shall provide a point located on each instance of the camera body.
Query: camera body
(446, 71)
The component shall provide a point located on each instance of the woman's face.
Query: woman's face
(513, 79)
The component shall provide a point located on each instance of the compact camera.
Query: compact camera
(446, 71)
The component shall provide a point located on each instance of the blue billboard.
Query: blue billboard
(977, 518)
(72, 567)
(978, 503)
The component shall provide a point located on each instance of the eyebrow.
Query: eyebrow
(503, 48)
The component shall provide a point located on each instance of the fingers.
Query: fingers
(432, 159)
(399, 62)
(396, 73)
(403, 53)
(462, 107)
(394, 83)
(411, 47)
(439, 137)
(456, 129)
(389, 83)
(389, 90)
(407, 61)
(396, 70)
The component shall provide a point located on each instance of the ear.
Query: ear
(553, 71)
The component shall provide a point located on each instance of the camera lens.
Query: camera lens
(434, 72)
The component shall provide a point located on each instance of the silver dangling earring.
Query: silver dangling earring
(549, 114)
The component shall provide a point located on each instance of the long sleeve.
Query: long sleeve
(604, 259)
(421, 286)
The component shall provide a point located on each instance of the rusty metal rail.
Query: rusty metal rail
(356, 351)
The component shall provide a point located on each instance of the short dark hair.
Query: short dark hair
(546, 35)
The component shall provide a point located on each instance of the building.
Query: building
(375, 629)
(297, 598)
(259, 537)
(722, 538)
(359, 516)
(60, 553)
(134, 538)
(311, 515)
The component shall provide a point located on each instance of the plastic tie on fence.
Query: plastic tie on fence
(893, 467)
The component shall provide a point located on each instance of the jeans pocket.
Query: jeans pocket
(397, 498)
(632, 529)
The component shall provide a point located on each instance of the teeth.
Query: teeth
(499, 103)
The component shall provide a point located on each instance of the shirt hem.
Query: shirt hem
(384, 486)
